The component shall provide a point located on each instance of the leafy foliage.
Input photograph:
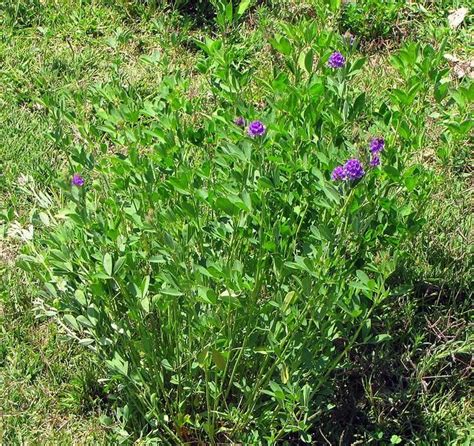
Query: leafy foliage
(370, 19)
(223, 278)
(232, 290)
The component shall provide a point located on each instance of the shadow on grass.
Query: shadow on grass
(411, 385)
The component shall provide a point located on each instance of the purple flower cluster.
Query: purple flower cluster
(352, 170)
(376, 147)
(240, 121)
(339, 174)
(375, 161)
(256, 128)
(77, 180)
(336, 60)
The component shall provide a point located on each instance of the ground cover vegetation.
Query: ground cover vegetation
(240, 222)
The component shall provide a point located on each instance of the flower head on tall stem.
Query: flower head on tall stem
(375, 160)
(77, 180)
(256, 128)
(336, 60)
(354, 169)
(338, 174)
(377, 145)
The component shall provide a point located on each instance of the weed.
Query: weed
(221, 285)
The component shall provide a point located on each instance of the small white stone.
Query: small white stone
(457, 17)
(23, 180)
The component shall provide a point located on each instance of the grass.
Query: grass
(50, 393)
(413, 387)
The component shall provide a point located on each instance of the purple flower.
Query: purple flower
(240, 121)
(77, 180)
(354, 169)
(375, 160)
(336, 60)
(339, 174)
(377, 145)
(256, 128)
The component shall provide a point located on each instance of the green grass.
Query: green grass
(413, 386)
(50, 389)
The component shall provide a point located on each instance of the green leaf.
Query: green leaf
(359, 105)
(392, 172)
(395, 439)
(243, 6)
(229, 12)
(362, 277)
(224, 204)
(384, 337)
(105, 420)
(93, 315)
(277, 390)
(308, 61)
(331, 192)
(145, 303)
(261, 350)
(284, 375)
(207, 295)
(118, 364)
(247, 200)
(166, 364)
(289, 298)
(219, 360)
(145, 286)
(71, 321)
(80, 297)
(119, 264)
(51, 289)
(281, 44)
(171, 292)
(202, 357)
(84, 321)
(107, 263)
(335, 4)
(440, 91)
